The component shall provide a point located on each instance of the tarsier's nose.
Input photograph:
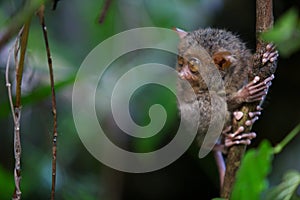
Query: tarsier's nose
(185, 72)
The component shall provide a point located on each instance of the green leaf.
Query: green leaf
(285, 33)
(286, 189)
(251, 177)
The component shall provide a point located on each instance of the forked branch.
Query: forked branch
(21, 46)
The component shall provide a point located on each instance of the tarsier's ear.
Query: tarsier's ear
(223, 59)
(181, 33)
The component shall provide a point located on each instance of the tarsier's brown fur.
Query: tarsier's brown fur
(229, 55)
(206, 58)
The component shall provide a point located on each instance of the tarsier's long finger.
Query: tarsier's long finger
(259, 108)
(270, 78)
(251, 121)
(253, 114)
(245, 136)
(258, 91)
(257, 97)
(271, 54)
(230, 143)
(254, 81)
(270, 47)
(232, 135)
(240, 139)
(250, 136)
(261, 85)
(227, 130)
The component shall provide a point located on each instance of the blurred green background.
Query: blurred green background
(73, 32)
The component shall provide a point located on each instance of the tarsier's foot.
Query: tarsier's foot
(255, 91)
(234, 138)
(238, 137)
(270, 55)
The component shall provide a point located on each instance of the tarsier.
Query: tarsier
(234, 61)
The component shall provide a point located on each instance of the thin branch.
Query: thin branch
(20, 65)
(17, 111)
(17, 152)
(17, 192)
(104, 11)
(264, 21)
(8, 85)
(278, 148)
(54, 140)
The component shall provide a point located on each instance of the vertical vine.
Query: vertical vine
(104, 11)
(21, 46)
(41, 16)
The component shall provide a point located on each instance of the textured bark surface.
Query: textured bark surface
(264, 21)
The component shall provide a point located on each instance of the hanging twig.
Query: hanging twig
(54, 140)
(8, 85)
(264, 21)
(22, 43)
(104, 11)
(17, 192)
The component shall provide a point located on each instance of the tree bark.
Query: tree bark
(264, 21)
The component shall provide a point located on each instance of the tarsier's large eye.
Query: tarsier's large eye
(180, 61)
(193, 65)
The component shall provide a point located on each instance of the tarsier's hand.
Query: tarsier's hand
(256, 90)
(252, 92)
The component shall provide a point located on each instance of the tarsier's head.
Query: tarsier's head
(192, 57)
